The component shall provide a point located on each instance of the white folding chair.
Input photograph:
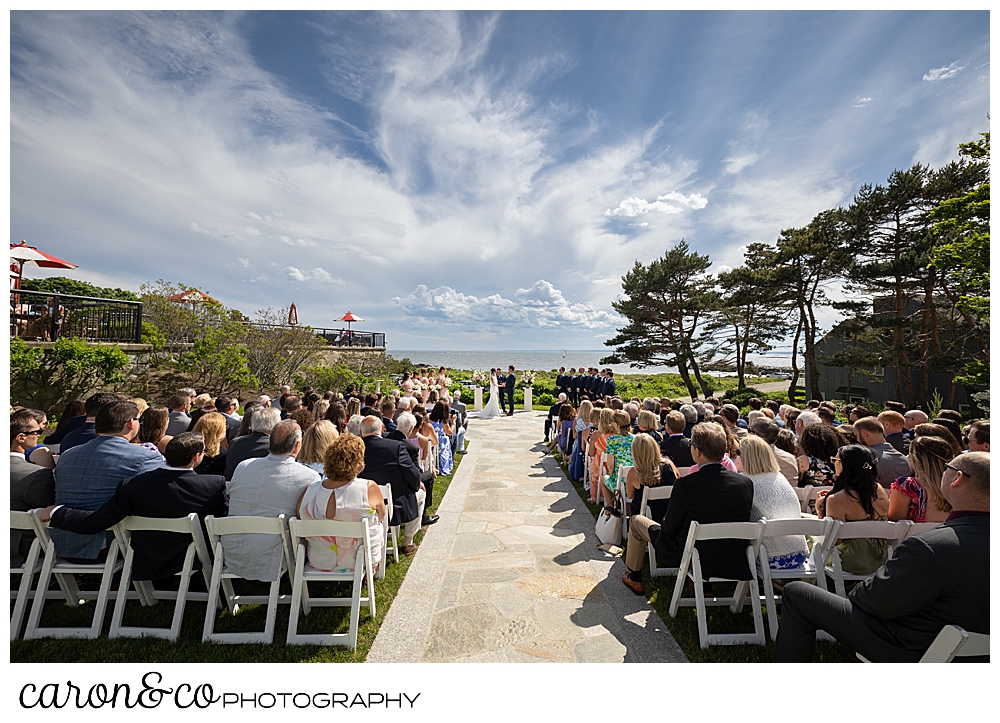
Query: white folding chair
(892, 532)
(621, 490)
(391, 533)
(916, 528)
(803, 494)
(952, 642)
(303, 602)
(23, 522)
(222, 576)
(825, 533)
(53, 565)
(649, 494)
(189, 525)
(691, 569)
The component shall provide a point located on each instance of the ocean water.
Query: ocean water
(540, 360)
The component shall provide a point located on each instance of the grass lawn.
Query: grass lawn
(684, 627)
(190, 649)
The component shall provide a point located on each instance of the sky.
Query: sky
(476, 180)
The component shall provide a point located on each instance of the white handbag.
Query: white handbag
(609, 526)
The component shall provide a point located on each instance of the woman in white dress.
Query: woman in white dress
(492, 408)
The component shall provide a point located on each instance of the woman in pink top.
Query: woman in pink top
(341, 495)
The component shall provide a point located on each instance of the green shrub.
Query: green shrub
(544, 400)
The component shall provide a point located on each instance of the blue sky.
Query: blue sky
(463, 180)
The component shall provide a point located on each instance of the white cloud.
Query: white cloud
(860, 102)
(319, 275)
(948, 71)
(632, 206)
(735, 164)
(541, 306)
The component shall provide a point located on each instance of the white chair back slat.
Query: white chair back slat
(23, 522)
(952, 642)
(917, 528)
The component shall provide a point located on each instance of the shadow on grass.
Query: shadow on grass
(190, 649)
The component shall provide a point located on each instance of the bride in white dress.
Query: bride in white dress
(492, 408)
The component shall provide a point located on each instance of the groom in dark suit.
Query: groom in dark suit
(508, 390)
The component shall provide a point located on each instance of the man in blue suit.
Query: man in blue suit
(609, 383)
(561, 381)
(508, 390)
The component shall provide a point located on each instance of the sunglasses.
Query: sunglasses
(956, 469)
(33, 433)
(834, 460)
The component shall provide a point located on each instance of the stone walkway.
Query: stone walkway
(512, 573)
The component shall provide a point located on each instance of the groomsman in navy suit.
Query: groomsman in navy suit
(609, 383)
(579, 387)
(594, 384)
(561, 381)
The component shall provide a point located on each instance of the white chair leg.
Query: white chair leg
(679, 584)
(24, 590)
(211, 609)
(272, 611)
(699, 596)
(739, 597)
(67, 583)
(123, 587)
(356, 605)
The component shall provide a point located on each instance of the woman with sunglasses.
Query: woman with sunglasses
(856, 496)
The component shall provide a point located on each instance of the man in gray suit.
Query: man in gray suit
(31, 485)
(937, 578)
(179, 418)
(891, 464)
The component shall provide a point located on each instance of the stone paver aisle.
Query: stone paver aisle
(512, 573)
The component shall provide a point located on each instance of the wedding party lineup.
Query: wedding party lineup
(494, 336)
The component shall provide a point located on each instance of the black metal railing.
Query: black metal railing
(44, 316)
(338, 337)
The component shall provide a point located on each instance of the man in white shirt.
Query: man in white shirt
(267, 487)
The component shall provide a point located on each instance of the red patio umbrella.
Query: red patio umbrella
(293, 316)
(349, 317)
(22, 253)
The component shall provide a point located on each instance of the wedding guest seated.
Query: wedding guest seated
(936, 578)
(416, 446)
(88, 475)
(732, 445)
(891, 464)
(153, 428)
(388, 463)
(919, 498)
(461, 422)
(85, 432)
(31, 485)
(619, 446)
(202, 404)
(893, 424)
(227, 406)
(773, 499)
(315, 442)
(930, 429)
(175, 490)
(731, 416)
(646, 424)
(768, 431)
(337, 413)
(180, 420)
(553, 415)
(786, 442)
(266, 487)
(440, 418)
(856, 496)
(979, 436)
(677, 446)
(248, 412)
(213, 428)
(342, 495)
(302, 417)
(712, 494)
(256, 444)
(387, 409)
(72, 417)
(819, 443)
(690, 419)
(38, 453)
(650, 469)
(567, 418)
(953, 428)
